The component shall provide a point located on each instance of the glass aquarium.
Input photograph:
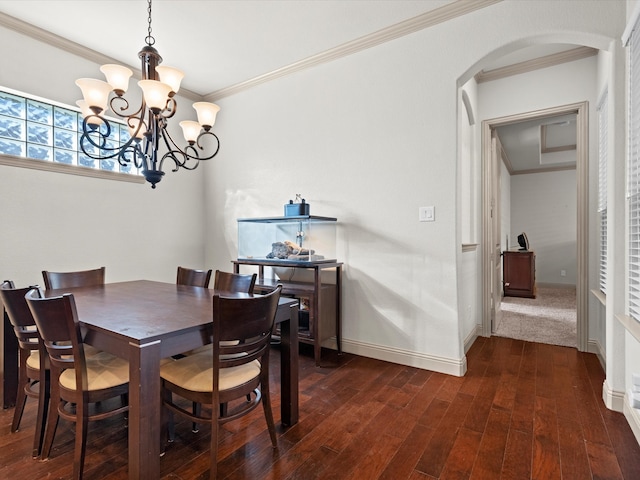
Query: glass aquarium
(295, 239)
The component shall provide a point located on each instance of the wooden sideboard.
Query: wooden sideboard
(324, 298)
(519, 273)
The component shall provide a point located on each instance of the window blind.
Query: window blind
(633, 174)
(603, 129)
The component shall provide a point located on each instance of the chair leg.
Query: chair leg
(52, 423)
(82, 424)
(21, 398)
(169, 431)
(43, 406)
(215, 427)
(196, 407)
(268, 413)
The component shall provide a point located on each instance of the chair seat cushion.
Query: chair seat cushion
(33, 360)
(103, 371)
(195, 373)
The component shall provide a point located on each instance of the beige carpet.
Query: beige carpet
(548, 318)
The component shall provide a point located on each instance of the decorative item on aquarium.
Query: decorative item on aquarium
(286, 249)
(297, 207)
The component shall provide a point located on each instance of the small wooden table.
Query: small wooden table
(325, 319)
(144, 321)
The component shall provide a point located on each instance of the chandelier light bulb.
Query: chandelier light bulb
(95, 93)
(190, 130)
(117, 76)
(155, 94)
(206, 113)
(171, 76)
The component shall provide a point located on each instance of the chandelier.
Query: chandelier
(148, 124)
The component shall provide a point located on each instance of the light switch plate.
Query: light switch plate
(427, 214)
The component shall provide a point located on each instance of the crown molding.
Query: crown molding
(74, 48)
(406, 27)
(536, 63)
(428, 19)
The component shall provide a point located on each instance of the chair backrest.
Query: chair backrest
(57, 322)
(84, 278)
(194, 278)
(19, 315)
(234, 282)
(243, 327)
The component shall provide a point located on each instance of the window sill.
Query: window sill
(631, 325)
(602, 298)
(22, 162)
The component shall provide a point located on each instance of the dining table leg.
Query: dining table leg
(289, 368)
(8, 363)
(144, 411)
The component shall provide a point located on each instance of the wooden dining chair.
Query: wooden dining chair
(77, 380)
(234, 282)
(33, 361)
(194, 278)
(237, 367)
(83, 278)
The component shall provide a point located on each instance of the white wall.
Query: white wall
(544, 206)
(53, 221)
(367, 138)
(371, 137)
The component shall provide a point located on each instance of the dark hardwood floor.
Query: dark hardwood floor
(523, 410)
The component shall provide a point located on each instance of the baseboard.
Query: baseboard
(613, 399)
(593, 346)
(555, 285)
(633, 418)
(468, 342)
(449, 366)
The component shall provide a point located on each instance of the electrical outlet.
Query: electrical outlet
(563, 273)
(427, 214)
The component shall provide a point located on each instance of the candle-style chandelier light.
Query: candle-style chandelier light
(148, 124)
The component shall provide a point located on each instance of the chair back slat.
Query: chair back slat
(246, 324)
(234, 282)
(56, 318)
(84, 278)
(193, 278)
(19, 315)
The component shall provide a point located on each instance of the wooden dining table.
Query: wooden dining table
(146, 321)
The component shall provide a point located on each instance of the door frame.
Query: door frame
(581, 110)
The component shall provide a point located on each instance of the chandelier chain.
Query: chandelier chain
(150, 40)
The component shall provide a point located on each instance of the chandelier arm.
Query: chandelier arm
(119, 110)
(172, 152)
(169, 109)
(215, 152)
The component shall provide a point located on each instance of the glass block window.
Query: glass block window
(34, 128)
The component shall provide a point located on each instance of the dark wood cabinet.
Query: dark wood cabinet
(519, 274)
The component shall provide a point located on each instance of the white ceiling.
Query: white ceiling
(522, 143)
(221, 43)
(217, 43)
